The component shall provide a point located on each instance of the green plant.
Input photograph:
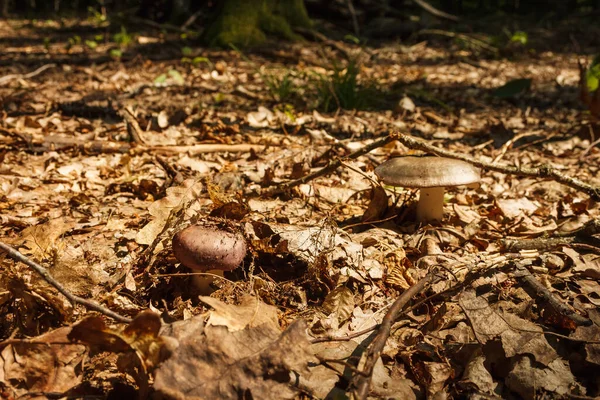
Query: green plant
(288, 110)
(96, 16)
(593, 75)
(519, 37)
(74, 40)
(92, 44)
(123, 39)
(188, 58)
(341, 88)
(186, 51)
(116, 53)
(281, 88)
(219, 98)
(173, 74)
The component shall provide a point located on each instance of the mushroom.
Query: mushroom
(431, 175)
(208, 250)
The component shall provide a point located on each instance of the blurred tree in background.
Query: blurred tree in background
(249, 22)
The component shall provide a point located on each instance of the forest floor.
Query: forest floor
(108, 149)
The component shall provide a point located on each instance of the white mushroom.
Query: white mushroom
(430, 174)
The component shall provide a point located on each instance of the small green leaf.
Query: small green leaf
(199, 60)
(512, 88)
(176, 76)
(162, 78)
(186, 51)
(519, 37)
(352, 38)
(219, 98)
(116, 53)
(593, 75)
(91, 44)
(123, 38)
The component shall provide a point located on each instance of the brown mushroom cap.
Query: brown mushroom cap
(203, 249)
(426, 172)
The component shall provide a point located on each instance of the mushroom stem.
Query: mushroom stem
(431, 204)
(202, 282)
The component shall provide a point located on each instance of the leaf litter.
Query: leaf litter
(329, 257)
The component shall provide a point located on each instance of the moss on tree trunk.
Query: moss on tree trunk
(247, 23)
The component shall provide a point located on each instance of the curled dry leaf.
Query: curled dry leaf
(177, 197)
(139, 345)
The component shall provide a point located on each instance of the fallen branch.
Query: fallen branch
(57, 143)
(362, 381)
(7, 78)
(544, 171)
(202, 148)
(329, 168)
(434, 11)
(474, 41)
(541, 243)
(543, 295)
(18, 256)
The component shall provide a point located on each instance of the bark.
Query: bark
(246, 23)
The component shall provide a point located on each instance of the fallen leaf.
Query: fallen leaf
(251, 312)
(44, 364)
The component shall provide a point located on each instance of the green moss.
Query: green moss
(245, 23)
(294, 13)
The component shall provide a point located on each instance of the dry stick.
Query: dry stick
(53, 143)
(8, 78)
(361, 382)
(544, 295)
(329, 168)
(462, 36)
(544, 171)
(434, 11)
(18, 256)
(133, 126)
(541, 243)
(354, 19)
(204, 148)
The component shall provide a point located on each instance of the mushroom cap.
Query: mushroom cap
(425, 172)
(204, 249)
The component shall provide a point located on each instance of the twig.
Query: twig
(329, 168)
(354, 19)
(57, 143)
(192, 19)
(7, 78)
(544, 171)
(361, 382)
(541, 243)
(434, 11)
(203, 148)
(18, 256)
(156, 25)
(133, 126)
(479, 43)
(545, 296)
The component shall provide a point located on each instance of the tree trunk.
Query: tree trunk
(247, 23)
